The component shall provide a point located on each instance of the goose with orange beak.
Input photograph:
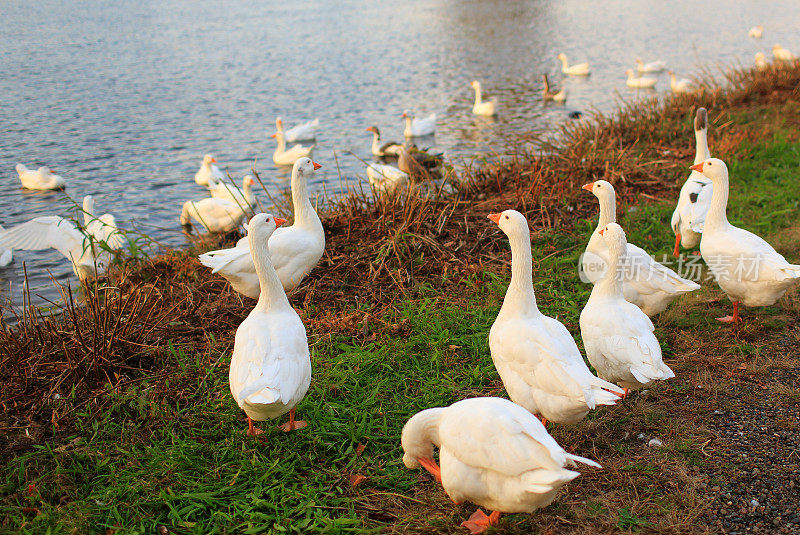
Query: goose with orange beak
(209, 174)
(294, 250)
(746, 267)
(284, 156)
(271, 363)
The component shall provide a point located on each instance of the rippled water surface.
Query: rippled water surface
(124, 98)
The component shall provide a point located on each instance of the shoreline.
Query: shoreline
(421, 276)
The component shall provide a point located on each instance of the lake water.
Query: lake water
(123, 98)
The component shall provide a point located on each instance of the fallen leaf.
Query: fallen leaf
(360, 449)
(357, 479)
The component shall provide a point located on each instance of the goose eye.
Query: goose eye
(506, 217)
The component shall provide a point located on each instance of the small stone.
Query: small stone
(655, 443)
(754, 503)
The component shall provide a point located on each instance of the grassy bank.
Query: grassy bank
(125, 425)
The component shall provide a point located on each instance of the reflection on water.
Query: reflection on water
(123, 99)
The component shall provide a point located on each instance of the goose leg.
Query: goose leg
(431, 466)
(625, 392)
(251, 429)
(732, 319)
(293, 424)
(479, 522)
(677, 252)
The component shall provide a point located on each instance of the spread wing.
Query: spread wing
(50, 232)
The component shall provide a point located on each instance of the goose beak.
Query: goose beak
(274, 135)
(588, 187)
(494, 217)
(404, 115)
(316, 165)
(602, 231)
(279, 221)
(213, 160)
(697, 167)
(369, 129)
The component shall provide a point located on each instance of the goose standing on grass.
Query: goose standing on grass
(492, 453)
(617, 335)
(244, 197)
(695, 196)
(646, 283)
(683, 85)
(419, 126)
(81, 247)
(642, 82)
(744, 265)
(282, 156)
(271, 364)
(535, 355)
(386, 177)
(390, 148)
(548, 94)
(302, 132)
(652, 67)
(215, 215)
(294, 250)
(208, 174)
(782, 54)
(41, 179)
(6, 254)
(486, 108)
(579, 69)
(761, 61)
(756, 32)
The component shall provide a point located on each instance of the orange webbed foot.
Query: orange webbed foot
(292, 424)
(431, 466)
(729, 319)
(252, 430)
(478, 522)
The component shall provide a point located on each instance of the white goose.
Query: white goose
(756, 32)
(493, 453)
(761, 61)
(647, 284)
(390, 148)
(386, 177)
(419, 126)
(642, 82)
(684, 85)
(6, 254)
(271, 364)
(745, 266)
(208, 174)
(653, 66)
(282, 156)
(549, 94)
(294, 251)
(486, 108)
(215, 215)
(579, 69)
(617, 335)
(81, 247)
(695, 197)
(302, 132)
(42, 179)
(242, 197)
(535, 355)
(782, 54)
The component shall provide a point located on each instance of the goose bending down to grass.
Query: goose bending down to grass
(549, 94)
(386, 177)
(487, 108)
(215, 215)
(684, 85)
(208, 174)
(390, 148)
(492, 453)
(87, 249)
(756, 32)
(744, 265)
(535, 355)
(617, 335)
(695, 196)
(302, 132)
(284, 156)
(579, 69)
(242, 197)
(271, 364)
(782, 54)
(41, 179)
(419, 126)
(646, 283)
(761, 61)
(653, 66)
(642, 82)
(294, 250)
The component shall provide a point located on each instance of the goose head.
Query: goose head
(305, 167)
(261, 226)
(475, 84)
(374, 130)
(629, 72)
(419, 436)
(208, 160)
(614, 237)
(88, 204)
(278, 136)
(512, 223)
(562, 57)
(712, 168)
(248, 181)
(45, 171)
(407, 115)
(701, 119)
(600, 188)
(776, 46)
(279, 124)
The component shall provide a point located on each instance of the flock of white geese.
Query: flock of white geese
(518, 467)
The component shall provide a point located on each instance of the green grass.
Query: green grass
(179, 457)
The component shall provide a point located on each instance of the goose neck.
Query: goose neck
(701, 152)
(520, 297)
(478, 96)
(611, 283)
(421, 433)
(304, 213)
(608, 211)
(717, 211)
(272, 297)
(281, 143)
